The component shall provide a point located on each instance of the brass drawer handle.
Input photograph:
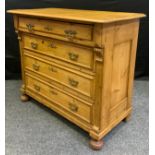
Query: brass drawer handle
(52, 45)
(73, 83)
(30, 27)
(73, 107)
(36, 67)
(47, 28)
(70, 34)
(34, 45)
(52, 69)
(36, 87)
(73, 56)
(53, 92)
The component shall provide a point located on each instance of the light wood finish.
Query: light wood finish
(86, 76)
(68, 30)
(78, 15)
(74, 80)
(64, 51)
(58, 97)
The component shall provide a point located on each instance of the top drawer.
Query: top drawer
(66, 29)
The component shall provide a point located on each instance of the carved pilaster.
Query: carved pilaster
(99, 54)
(19, 35)
(98, 69)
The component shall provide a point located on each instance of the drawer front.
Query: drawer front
(56, 96)
(66, 29)
(77, 55)
(66, 77)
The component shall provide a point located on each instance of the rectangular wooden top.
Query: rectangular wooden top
(78, 15)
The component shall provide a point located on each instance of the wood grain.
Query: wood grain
(85, 73)
(77, 55)
(78, 15)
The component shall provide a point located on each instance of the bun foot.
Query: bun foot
(127, 118)
(24, 98)
(96, 145)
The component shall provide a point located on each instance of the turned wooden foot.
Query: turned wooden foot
(24, 98)
(96, 145)
(127, 118)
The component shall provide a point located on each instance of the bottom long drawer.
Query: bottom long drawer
(55, 96)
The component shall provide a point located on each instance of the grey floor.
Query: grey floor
(32, 129)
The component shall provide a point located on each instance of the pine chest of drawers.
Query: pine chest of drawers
(80, 64)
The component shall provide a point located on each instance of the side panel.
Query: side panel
(120, 78)
(120, 43)
(123, 63)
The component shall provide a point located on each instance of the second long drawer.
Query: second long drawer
(75, 80)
